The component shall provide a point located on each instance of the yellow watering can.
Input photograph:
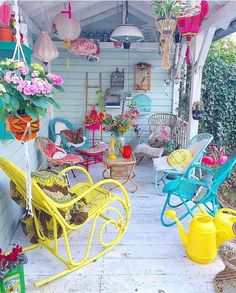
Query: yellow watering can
(201, 241)
(224, 220)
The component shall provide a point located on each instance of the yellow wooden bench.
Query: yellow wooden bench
(103, 204)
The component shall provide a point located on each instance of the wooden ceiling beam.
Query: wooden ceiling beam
(222, 17)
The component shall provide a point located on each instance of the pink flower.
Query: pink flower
(16, 79)
(23, 69)
(56, 79)
(7, 76)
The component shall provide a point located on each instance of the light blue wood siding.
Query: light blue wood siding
(73, 100)
(9, 210)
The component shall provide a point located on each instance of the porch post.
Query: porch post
(200, 48)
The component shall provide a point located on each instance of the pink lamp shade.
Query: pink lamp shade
(5, 15)
(66, 27)
(84, 47)
(44, 48)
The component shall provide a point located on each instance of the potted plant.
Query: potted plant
(25, 94)
(11, 270)
(197, 110)
(6, 33)
(166, 11)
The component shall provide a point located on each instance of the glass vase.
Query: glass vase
(120, 142)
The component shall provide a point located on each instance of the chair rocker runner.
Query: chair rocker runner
(191, 191)
(99, 203)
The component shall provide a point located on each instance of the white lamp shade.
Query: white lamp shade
(44, 48)
(127, 33)
(66, 28)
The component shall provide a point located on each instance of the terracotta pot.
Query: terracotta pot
(18, 124)
(6, 34)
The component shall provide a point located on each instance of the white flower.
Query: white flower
(2, 89)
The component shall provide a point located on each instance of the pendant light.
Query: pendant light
(126, 33)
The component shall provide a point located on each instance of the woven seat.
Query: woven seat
(104, 209)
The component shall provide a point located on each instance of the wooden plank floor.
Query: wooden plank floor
(149, 259)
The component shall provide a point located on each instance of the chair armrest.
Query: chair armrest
(90, 180)
(194, 182)
(199, 167)
(124, 199)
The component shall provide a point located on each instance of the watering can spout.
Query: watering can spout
(183, 234)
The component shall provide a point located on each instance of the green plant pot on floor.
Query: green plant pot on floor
(13, 281)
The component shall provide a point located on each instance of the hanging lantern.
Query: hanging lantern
(84, 47)
(166, 27)
(190, 26)
(44, 48)
(66, 27)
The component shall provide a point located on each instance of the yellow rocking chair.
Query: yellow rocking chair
(101, 204)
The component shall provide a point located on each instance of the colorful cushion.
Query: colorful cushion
(50, 149)
(180, 158)
(74, 136)
(55, 186)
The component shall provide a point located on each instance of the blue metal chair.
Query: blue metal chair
(192, 191)
(197, 145)
(56, 125)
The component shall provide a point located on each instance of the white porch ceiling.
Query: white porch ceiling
(39, 14)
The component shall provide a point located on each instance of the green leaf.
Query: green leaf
(40, 102)
(59, 88)
(53, 102)
(3, 114)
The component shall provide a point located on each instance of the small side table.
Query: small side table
(120, 169)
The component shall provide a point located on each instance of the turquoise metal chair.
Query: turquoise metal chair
(192, 191)
(55, 127)
(197, 145)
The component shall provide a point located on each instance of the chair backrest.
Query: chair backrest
(162, 119)
(223, 172)
(56, 125)
(198, 144)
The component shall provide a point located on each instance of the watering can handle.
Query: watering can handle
(226, 235)
(228, 210)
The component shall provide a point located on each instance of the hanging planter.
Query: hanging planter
(23, 127)
(6, 33)
(166, 27)
(197, 110)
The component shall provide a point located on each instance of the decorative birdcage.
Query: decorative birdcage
(166, 27)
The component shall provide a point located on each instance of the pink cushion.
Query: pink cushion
(71, 158)
(50, 150)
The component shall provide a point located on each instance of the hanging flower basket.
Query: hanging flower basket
(18, 126)
(197, 114)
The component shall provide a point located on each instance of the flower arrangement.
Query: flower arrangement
(12, 260)
(26, 88)
(120, 123)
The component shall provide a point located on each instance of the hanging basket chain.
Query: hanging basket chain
(17, 55)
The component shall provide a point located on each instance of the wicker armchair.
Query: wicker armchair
(67, 160)
(178, 133)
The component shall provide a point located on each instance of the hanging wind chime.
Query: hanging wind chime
(190, 26)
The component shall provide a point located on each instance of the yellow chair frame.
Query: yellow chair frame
(99, 199)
